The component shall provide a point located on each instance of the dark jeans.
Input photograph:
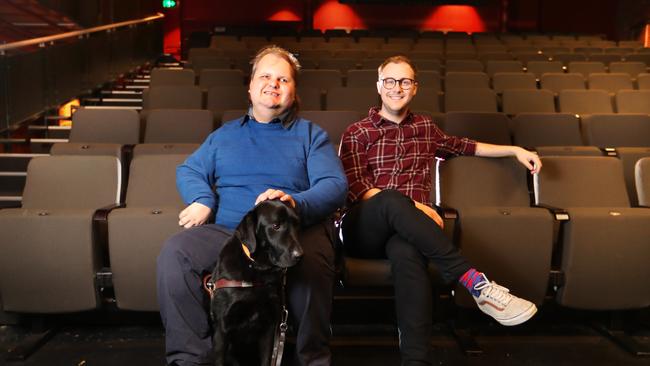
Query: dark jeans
(192, 253)
(388, 225)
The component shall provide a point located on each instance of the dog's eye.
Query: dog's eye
(276, 227)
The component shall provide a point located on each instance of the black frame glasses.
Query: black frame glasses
(404, 83)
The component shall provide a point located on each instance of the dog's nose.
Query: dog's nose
(297, 253)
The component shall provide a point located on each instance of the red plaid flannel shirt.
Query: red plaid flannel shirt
(378, 153)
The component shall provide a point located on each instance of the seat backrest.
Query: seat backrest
(310, 98)
(566, 58)
(115, 126)
(513, 80)
(528, 101)
(546, 129)
(629, 156)
(333, 122)
(152, 181)
(612, 130)
(585, 101)
(463, 66)
(72, 182)
(196, 52)
(429, 80)
(484, 127)
(426, 99)
(473, 181)
(174, 97)
(631, 68)
(581, 181)
(633, 101)
(528, 57)
(427, 64)
(643, 80)
(200, 63)
(171, 77)
(494, 66)
(220, 77)
(640, 57)
(341, 64)
(466, 79)
(470, 100)
(642, 178)
(231, 114)
(586, 67)
(362, 78)
(322, 79)
(605, 58)
(556, 82)
(164, 149)
(224, 98)
(357, 99)
(178, 126)
(611, 82)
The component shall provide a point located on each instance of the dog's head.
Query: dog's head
(270, 232)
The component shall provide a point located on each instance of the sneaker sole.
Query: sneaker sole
(521, 318)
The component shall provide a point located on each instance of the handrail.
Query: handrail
(42, 40)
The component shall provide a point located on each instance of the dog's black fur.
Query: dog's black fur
(245, 319)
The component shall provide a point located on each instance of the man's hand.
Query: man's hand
(195, 214)
(271, 194)
(529, 159)
(431, 213)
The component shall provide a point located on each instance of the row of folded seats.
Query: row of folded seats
(56, 250)
(180, 131)
(200, 59)
(477, 99)
(631, 72)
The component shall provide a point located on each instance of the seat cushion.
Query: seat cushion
(605, 259)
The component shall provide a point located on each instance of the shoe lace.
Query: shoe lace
(494, 291)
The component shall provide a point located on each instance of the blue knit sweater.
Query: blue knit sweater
(244, 158)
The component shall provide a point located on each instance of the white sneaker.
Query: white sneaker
(497, 302)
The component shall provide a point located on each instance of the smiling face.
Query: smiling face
(395, 101)
(272, 89)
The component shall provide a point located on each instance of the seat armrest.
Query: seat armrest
(450, 218)
(100, 233)
(559, 214)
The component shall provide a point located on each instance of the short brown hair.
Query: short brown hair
(398, 59)
(279, 52)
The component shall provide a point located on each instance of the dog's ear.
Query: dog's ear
(247, 229)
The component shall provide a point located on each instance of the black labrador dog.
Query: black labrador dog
(245, 305)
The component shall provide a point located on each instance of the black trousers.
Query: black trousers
(388, 225)
(184, 305)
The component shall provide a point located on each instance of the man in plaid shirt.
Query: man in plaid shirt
(387, 158)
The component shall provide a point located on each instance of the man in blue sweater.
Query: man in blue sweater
(270, 153)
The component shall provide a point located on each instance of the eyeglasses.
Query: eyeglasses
(404, 83)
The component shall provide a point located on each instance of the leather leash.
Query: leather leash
(280, 335)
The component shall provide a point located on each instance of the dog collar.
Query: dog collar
(224, 283)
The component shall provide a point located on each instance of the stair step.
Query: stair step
(46, 141)
(121, 92)
(50, 128)
(137, 108)
(13, 174)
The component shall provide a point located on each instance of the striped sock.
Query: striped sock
(470, 279)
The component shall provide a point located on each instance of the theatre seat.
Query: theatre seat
(604, 243)
(48, 252)
(100, 132)
(500, 234)
(137, 232)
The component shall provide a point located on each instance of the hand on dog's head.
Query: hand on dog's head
(270, 232)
